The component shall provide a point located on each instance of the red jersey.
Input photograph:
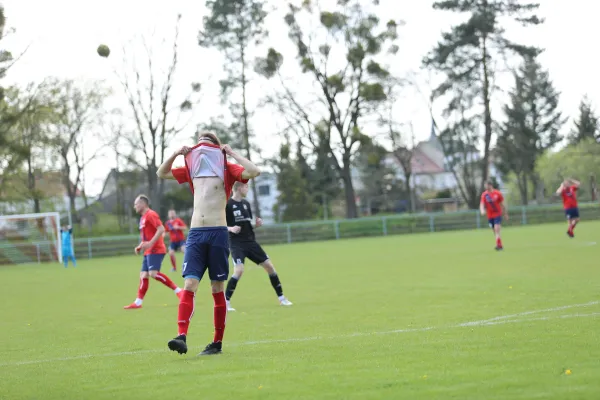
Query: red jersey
(149, 224)
(492, 200)
(231, 172)
(175, 235)
(569, 196)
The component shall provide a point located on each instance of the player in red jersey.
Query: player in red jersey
(175, 226)
(153, 247)
(210, 177)
(568, 191)
(492, 202)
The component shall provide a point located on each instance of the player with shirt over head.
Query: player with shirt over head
(568, 192)
(153, 247)
(175, 226)
(492, 203)
(211, 178)
(243, 244)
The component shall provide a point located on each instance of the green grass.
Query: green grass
(357, 330)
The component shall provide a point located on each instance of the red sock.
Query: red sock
(143, 288)
(220, 315)
(186, 310)
(173, 261)
(165, 280)
(499, 242)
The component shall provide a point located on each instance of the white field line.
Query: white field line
(503, 319)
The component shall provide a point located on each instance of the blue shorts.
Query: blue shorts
(207, 248)
(495, 221)
(572, 213)
(152, 262)
(176, 245)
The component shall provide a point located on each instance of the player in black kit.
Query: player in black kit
(243, 244)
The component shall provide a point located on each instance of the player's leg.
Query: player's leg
(194, 266)
(72, 256)
(257, 255)
(65, 257)
(142, 288)
(573, 220)
(275, 282)
(154, 265)
(218, 271)
(238, 256)
(172, 249)
(497, 229)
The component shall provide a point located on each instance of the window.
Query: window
(264, 190)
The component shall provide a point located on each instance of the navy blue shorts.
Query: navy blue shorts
(152, 262)
(495, 221)
(176, 245)
(207, 248)
(572, 213)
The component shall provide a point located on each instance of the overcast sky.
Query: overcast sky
(62, 36)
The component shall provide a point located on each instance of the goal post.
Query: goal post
(30, 238)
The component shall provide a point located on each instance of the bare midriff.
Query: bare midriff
(209, 203)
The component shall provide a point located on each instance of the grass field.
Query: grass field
(431, 316)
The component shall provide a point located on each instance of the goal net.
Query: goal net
(30, 238)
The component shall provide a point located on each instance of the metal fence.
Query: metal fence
(312, 231)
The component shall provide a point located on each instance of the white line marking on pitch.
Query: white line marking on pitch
(503, 319)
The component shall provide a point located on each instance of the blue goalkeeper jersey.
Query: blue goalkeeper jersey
(66, 239)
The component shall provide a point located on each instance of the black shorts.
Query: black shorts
(249, 250)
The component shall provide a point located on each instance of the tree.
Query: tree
(11, 152)
(346, 92)
(295, 202)
(467, 55)
(459, 141)
(232, 26)
(155, 112)
(376, 177)
(77, 117)
(532, 125)
(587, 125)
(580, 161)
(28, 132)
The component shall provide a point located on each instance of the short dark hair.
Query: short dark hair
(145, 198)
(489, 182)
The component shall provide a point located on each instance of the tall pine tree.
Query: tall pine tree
(532, 126)
(467, 56)
(587, 124)
(232, 27)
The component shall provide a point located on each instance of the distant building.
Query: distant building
(266, 186)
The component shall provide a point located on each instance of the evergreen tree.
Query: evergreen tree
(532, 126)
(587, 124)
(466, 55)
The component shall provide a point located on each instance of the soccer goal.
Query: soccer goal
(30, 238)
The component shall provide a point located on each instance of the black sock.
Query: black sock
(276, 284)
(231, 287)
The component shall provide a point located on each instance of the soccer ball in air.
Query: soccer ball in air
(103, 50)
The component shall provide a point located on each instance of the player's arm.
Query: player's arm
(560, 188)
(181, 225)
(482, 207)
(160, 230)
(231, 226)
(250, 169)
(164, 171)
(575, 183)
